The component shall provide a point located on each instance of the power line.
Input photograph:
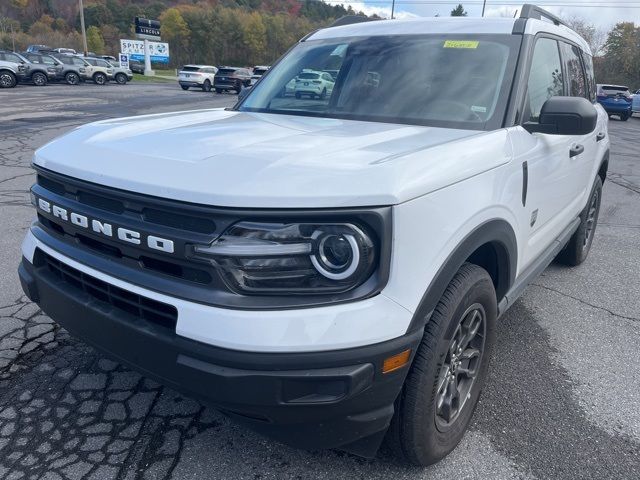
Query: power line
(635, 5)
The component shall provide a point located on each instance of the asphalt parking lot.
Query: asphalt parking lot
(562, 401)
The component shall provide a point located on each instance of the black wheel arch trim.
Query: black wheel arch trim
(604, 162)
(497, 232)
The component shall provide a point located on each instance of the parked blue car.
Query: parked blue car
(616, 100)
(635, 105)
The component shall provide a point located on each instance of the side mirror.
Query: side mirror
(565, 116)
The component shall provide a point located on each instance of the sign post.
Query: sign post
(147, 30)
(123, 58)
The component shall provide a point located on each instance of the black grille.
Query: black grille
(128, 302)
(115, 202)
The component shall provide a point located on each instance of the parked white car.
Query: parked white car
(199, 76)
(258, 71)
(314, 84)
(332, 273)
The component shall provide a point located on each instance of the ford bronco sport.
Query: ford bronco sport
(330, 270)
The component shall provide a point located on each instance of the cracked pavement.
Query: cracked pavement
(562, 400)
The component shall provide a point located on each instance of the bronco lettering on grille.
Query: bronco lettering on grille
(104, 228)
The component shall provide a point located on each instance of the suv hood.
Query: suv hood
(236, 159)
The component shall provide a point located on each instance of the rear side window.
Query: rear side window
(545, 76)
(591, 79)
(575, 73)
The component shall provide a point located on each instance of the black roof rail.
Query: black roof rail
(350, 19)
(537, 13)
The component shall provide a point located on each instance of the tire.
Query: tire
(624, 117)
(218, 90)
(121, 79)
(72, 78)
(577, 248)
(419, 434)
(298, 95)
(39, 79)
(7, 79)
(184, 87)
(100, 78)
(206, 86)
(323, 95)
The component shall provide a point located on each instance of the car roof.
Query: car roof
(198, 66)
(447, 25)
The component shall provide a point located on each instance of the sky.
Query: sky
(602, 13)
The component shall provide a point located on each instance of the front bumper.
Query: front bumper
(308, 400)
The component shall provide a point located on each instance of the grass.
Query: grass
(142, 78)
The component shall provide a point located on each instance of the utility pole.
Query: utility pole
(393, 7)
(484, 4)
(84, 33)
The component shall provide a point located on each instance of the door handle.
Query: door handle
(601, 136)
(575, 150)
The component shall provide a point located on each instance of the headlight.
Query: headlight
(292, 258)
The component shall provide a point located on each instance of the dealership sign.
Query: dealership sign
(158, 51)
(147, 29)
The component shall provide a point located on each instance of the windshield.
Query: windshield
(458, 81)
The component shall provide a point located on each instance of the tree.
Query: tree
(255, 38)
(175, 31)
(459, 11)
(95, 42)
(594, 36)
(622, 60)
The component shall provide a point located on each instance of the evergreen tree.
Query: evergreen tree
(459, 11)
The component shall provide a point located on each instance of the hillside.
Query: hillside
(243, 32)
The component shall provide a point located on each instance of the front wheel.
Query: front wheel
(7, 79)
(121, 78)
(206, 86)
(72, 78)
(624, 117)
(39, 79)
(218, 90)
(100, 78)
(579, 245)
(184, 87)
(444, 383)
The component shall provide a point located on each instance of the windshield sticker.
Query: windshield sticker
(461, 44)
(477, 109)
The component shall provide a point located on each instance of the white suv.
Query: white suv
(199, 76)
(330, 272)
(314, 84)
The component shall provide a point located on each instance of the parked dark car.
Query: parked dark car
(38, 74)
(38, 48)
(232, 78)
(136, 66)
(616, 100)
(74, 68)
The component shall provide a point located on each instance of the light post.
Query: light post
(393, 7)
(84, 33)
(484, 4)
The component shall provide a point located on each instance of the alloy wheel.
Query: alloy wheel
(591, 219)
(461, 366)
(6, 80)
